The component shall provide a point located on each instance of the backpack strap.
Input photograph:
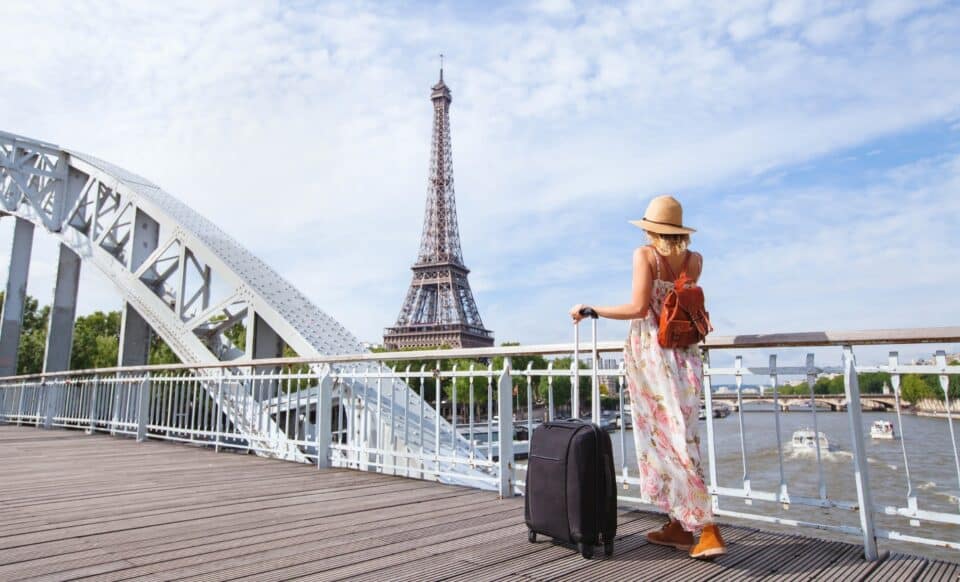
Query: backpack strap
(666, 265)
(686, 260)
(656, 260)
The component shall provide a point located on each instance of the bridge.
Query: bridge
(183, 279)
(786, 403)
(241, 463)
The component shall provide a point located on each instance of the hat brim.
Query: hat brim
(661, 228)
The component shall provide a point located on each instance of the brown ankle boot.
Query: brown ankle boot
(710, 545)
(672, 535)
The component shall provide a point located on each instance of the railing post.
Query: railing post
(143, 407)
(594, 375)
(860, 470)
(324, 417)
(23, 384)
(575, 375)
(711, 439)
(50, 398)
(94, 390)
(505, 449)
(116, 403)
(218, 404)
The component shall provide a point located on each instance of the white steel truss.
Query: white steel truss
(90, 205)
(190, 281)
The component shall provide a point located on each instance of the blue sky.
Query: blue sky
(815, 144)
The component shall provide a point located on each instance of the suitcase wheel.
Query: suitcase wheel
(608, 549)
(586, 551)
(532, 536)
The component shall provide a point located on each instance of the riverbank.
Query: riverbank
(935, 408)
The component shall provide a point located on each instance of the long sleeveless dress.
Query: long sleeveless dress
(665, 386)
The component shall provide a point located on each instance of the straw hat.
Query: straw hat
(664, 215)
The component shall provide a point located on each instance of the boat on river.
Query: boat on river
(720, 410)
(805, 440)
(883, 430)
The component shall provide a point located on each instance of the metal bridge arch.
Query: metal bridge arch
(111, 218)
(114, 220)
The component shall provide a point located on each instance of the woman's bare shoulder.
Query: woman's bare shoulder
(643, 255)
(696, 264)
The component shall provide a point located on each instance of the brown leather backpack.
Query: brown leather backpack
(684, 320)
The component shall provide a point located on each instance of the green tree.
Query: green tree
(160, 353)
(562, 384)
(914, 387)
(518, 368)
(428, 383)
(826, 385)
(33, 337)
(96, 341)
(873, 382)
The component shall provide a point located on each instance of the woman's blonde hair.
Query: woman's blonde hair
(669, 244)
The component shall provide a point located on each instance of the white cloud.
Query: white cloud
(887, 12)
(554, 7)
(748, 27)
(304, 131)
(789, 12)
(834, 28)
(841, 257)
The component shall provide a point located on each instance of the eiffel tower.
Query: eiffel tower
(439, 308)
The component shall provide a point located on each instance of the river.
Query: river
(930, 454)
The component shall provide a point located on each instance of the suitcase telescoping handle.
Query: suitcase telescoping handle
(595, 382)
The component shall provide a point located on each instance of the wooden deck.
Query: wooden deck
(75, 506)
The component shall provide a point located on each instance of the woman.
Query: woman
(665, 386)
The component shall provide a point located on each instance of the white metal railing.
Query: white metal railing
(418, 415)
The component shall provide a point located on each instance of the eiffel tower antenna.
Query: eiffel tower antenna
(439, 308)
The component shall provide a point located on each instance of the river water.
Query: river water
(931, 466)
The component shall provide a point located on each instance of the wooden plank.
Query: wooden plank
(496, 561)
(786, 556)
(176, 562)
(345, 562)
(940, 572)
(240, 547)
(898, 567)
(155, 540)
(139, 520)
(655, 562)
(551, 552)
(111, 509)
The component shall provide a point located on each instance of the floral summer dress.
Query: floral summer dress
(665, 386)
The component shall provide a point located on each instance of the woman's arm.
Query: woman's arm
(640, 296)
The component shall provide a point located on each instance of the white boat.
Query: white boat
(720, 410)
(806, 440)
(882, 429)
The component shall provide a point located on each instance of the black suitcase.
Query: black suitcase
(571, 492)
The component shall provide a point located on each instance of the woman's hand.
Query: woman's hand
(575, 312)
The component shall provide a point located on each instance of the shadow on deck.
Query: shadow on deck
(76, 506)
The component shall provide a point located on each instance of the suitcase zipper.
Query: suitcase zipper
(545, 457)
